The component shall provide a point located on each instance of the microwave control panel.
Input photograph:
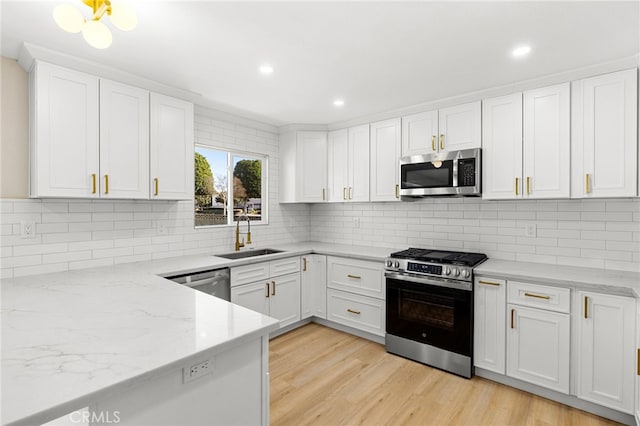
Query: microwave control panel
(467, 172)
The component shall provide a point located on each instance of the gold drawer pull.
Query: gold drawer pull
(350, 192)
(397, 191)
(304, 264)
(355, 277)
(537, 296)
(155, 184)
(273, 289)
(586, 307)
(353, 312)
(513, 324)
(587, 185)
(488, 283)
(638, 356)
(517, 186)
(441, 141)
(267, 290)
(344, 193)
(528, 185)
(93, 183)
(433, 142)
(106, 184)
(324, 194)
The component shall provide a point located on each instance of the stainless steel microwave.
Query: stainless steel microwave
(445, 173)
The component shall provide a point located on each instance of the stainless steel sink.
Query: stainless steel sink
(248, 253)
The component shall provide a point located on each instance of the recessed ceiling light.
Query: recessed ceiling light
(266, 69)
(521, 51)
(338, 102)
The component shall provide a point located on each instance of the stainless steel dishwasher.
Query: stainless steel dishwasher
(215, 282)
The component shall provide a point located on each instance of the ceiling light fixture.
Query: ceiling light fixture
(95, 32)
(338, 102)
(521, 51)
(266, 69)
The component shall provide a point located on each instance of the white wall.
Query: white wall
(75, 234)
(592, 233)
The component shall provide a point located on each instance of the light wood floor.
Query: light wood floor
(320, 376)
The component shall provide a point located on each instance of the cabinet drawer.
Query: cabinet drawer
(286, 266)
(249, 273)
(361, 312)
(356, 276)
(539, 296)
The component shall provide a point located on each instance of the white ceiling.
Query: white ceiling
(377, 56)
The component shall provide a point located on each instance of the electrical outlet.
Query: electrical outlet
(27, 229)
(161, 228)
(197, 370)
(356, 222)
(530, 230)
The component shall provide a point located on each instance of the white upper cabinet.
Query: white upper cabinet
(526, 150)
(172, 148)
(502, 147)
(448, 129)
(386, 145)
(337, 165)
(311, 166)
(604, 131)
(64, 147)
(358, 189)
(420, 133)
(547, 141)
(460, 127)
(124, 141)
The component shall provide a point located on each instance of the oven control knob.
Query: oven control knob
(466, 273)
(447, 271)
(456, 272)
(389, 263)
(396, 264)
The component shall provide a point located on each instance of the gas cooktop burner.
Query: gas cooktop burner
(441, 256)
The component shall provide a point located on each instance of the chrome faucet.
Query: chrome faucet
(238, 243)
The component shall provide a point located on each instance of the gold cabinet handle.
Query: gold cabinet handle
(537, 296)
(267, 290)
(93, 183)
(304, 264)
(106, 184)
(488, 283)
(517, 186)
(638, 359)
(587, 184)
(351, 193)
(441, 141)
(433, 142)
(273, 288)
(397, 191)
(513, 314)
(344, 193)
(355, 277)
(586, 307)
(155, 186)
(324, 194)
(528, 185)
(353, 311)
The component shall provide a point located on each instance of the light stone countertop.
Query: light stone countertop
(70, 339)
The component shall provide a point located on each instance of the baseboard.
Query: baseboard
(289, 327)
(350, 330)
(569, 400)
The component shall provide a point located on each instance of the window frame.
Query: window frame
(264, 208)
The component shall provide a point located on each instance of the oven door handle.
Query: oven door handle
(458, 285)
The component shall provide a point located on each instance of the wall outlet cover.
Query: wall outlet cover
(356, 222)
(27, 229)
(530, 230)
(196, 371)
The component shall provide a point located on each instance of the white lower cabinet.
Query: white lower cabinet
(538, 347)
(489, 328)
(606, 352)
(638, 363)
(357, 311)
(271, 288)
(313, 286)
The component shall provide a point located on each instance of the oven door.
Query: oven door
(427, 310)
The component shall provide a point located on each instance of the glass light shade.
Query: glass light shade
(97, 34)
(123, 16)
(68, 18)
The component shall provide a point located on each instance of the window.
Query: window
(229, 184)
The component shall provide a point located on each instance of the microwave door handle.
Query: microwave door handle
(455, 172)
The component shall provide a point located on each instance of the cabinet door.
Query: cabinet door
(124, 141)
(606, 350)
(420, 133)
(337, 165)
(314, 286)
(638, 363)
(63, 133)
(502, 147)
(311, 166)
(358, 190)
(172, 148)
(460, 127)
(489, 327)
(538, 347)
(546, 160)
(385, 161)
(285, 299)
(604, 135)
(254, 296)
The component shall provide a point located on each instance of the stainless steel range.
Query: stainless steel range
(430, 307)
